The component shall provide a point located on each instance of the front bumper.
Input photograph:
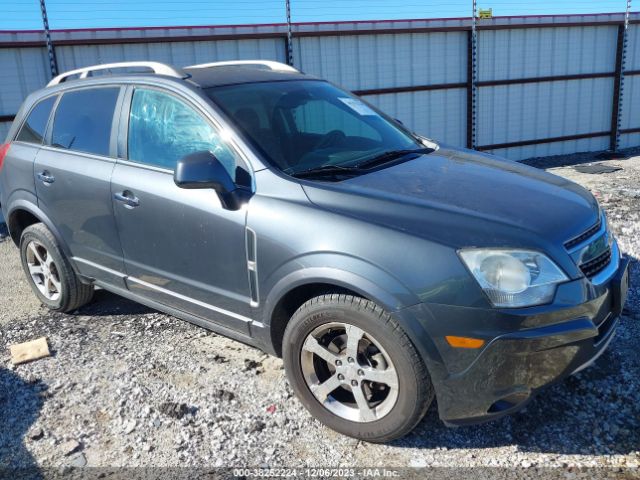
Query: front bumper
(525, 349)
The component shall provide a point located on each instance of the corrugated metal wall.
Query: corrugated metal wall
(394, 61)
(416, 71)
(22, 70)
(529, 111)
(630, 110)
(362, 62)
(438, 114)
(179, 54)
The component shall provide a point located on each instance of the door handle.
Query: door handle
(46, 177)
(128, 198)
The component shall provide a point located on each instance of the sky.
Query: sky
(25, 14)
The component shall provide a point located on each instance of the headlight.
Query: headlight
(514, 278)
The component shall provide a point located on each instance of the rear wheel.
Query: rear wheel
(355, 369)
(49, 272)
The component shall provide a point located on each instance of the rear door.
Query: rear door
(72, 177)
(181, 248)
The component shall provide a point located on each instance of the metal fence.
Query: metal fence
(543, 85)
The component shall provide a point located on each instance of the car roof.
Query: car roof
(237, 74)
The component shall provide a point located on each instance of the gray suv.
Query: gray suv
(275, 208)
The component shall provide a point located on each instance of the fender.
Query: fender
(337, 269)
(21, 200)
(369, 281)
(26, 204)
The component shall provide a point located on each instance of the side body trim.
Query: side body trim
(99, 267)
(188, 299)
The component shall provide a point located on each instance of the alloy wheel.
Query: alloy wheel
(43, 271)
(349, 372)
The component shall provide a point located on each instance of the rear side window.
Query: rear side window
(163, 129)
(83, 120)
(32, 130)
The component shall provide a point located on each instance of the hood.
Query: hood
(463, 198)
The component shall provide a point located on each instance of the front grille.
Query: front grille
(595, 266)
(593, 245)
(583, 236)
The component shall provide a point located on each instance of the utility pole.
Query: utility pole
(620, 67)
(289, 34)
(53, 62)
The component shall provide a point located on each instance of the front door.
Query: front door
(181, 248)
(72, 178)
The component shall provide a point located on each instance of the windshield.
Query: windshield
(306, 125)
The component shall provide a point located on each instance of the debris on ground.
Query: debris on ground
(225, 395)
(29, 351)
(36, 433)
(218, 359)
(70, 447)
(175, 410)
(596, 168)
(78, 460)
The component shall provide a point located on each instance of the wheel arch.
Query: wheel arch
(22, 214)
(293, 290)
(294, 299)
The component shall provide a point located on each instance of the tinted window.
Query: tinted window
(33, 129)
(83, 120)
(162, 129)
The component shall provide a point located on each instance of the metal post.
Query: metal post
(53, 62)
(472, 78)
(469, 89)
(618, 103)
(289, 34)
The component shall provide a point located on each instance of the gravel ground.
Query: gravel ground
(128, 386)
(16, 299)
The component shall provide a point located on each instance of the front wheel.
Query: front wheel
(355, 369)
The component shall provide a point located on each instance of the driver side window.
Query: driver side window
(163, 129)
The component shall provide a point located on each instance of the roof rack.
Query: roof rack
(277, 66)
(156, 67)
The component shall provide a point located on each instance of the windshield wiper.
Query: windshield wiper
(326, 170)
(390, 156)
(358, 168)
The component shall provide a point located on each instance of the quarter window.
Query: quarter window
(33, 129)
(163, 129)
(83, 120)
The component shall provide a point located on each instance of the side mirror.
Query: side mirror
(203, 170)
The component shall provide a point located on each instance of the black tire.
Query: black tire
(73, 293)
(415, 390)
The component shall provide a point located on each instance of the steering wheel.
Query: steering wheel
(334, 137)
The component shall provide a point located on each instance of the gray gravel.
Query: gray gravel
(128, 386)
(16, 299)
